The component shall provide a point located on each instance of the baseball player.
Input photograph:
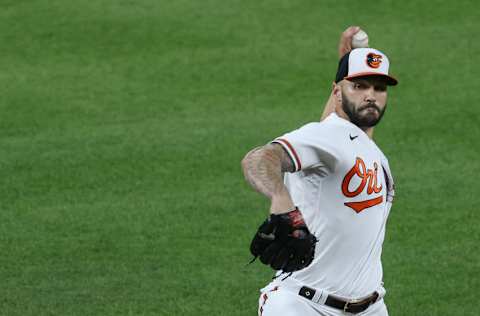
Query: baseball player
(331, 190)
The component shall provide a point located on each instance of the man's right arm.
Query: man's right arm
(263, 168)
(344, 46)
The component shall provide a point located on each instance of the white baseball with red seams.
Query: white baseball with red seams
(360, 39)
(344, 188)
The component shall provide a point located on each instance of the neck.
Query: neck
(342, 114)
(368, 131)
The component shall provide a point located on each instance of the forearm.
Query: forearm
(329, 107)
(263, 171)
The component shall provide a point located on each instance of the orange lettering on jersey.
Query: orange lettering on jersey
(360, 206)
(368, 178)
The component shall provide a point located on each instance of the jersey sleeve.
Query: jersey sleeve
(310, 146)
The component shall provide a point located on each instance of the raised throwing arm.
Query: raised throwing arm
(344, 46)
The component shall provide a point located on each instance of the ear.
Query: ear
(337, 91)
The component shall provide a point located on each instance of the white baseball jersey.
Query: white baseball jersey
(344, 189)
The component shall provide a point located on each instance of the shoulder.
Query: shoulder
(326, 127)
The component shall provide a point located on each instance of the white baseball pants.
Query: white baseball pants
(283, 301)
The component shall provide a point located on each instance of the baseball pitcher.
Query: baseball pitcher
(331, 190)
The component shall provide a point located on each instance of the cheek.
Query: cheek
(357, 99)
(354, 96)
(382, 99)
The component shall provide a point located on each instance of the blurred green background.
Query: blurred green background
(123, 124)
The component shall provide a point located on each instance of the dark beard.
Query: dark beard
(364, 121)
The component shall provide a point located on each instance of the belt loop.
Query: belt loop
(320, 297)
(381, 292)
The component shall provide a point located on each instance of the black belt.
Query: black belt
(353, 307)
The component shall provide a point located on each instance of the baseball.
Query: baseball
(360, 39)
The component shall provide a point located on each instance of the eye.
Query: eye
(359, 85)
(381, 88)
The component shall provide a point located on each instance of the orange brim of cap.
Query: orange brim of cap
(390, 80)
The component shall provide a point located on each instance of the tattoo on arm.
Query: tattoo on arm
(263, 168)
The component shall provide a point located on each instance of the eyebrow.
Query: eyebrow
(374, 82)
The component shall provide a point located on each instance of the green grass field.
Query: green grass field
(123, 124)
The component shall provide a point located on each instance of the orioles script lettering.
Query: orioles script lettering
(368, 179)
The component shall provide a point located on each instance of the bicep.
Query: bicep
(272, 154)
(278, 151)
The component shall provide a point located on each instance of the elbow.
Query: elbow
(246, 161)
(250, 157)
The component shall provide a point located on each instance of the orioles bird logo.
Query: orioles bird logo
(374, 60)
(368, 178)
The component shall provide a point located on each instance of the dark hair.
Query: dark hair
(342, 70)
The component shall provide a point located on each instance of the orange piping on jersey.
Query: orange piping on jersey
(286, 142)
(360, 206)
(265, 298)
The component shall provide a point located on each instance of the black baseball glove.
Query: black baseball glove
(284, 242)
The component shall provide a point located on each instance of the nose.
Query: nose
(370, 95)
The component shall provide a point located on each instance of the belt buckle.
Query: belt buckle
(347, 304)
